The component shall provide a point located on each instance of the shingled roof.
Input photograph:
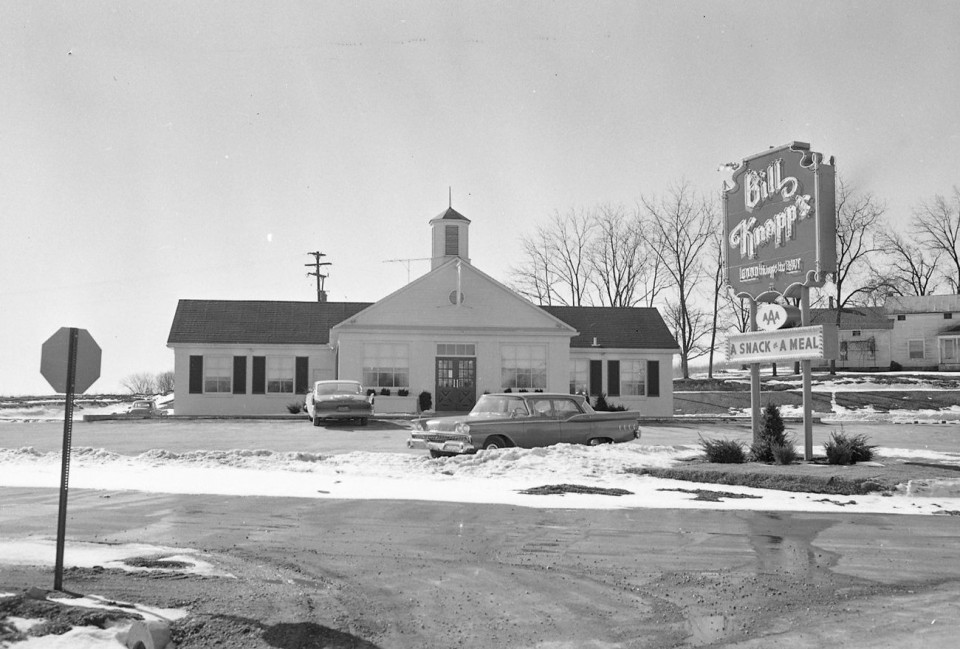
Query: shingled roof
(859, 317)
(616, 327)
(258, 321)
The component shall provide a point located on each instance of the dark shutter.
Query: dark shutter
(451, 240)
(300, 379)
(239, 374)
(613, 378)
(596, 377)
(259, 375)
(196, 375)
(653, 378)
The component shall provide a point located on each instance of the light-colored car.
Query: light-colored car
(338, 401)
(526, 420)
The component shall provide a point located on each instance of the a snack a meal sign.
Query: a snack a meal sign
(780, 228)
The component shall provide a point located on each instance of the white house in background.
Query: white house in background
(913, 332)
(455, 332)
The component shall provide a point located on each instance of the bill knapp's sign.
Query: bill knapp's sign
(780, 222)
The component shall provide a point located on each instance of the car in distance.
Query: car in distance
(143, 408)
(338, 401)
(524, 420)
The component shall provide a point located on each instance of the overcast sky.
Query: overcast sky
(152, 151)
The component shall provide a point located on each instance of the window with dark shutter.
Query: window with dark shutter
(653, 378)
(451, 240)
(613, 378)
(196, 375)
(239, 374)
(300, 379)
(596, 377)
(259, 385)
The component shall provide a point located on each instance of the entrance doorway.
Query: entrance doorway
(456, 383)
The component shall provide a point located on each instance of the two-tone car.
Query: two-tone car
(338, 401)
(524, 420)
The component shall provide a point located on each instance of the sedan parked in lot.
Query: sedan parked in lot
(338, 401)
(525, 420)
(144, 408)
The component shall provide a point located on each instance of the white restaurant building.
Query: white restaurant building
(455, 332)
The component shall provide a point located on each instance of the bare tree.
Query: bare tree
(621, 271)
(936, 225)
(556, 266)
(859, 218)
(139, 383)
(909, 268)
(164, 382)
(678, 229)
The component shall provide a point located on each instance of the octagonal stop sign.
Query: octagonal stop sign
(55, 360)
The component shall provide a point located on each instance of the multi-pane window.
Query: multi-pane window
(633, 378)
(915, 348)
(523, 367)
(280, 371)
(456, 349)
(386, 365)
(579, 376)
(217, 374)
(949, 348)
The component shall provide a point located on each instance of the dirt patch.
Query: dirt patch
(548, 490)
(809, 477)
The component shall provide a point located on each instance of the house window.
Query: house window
(844, 350)
(218, 374)
(949, 349)
(386, 365)
(633, 378)
(523, 367)
(280, 372)
(856, 332)
(456, 349)
(901, 317)
(579, 376)
(915, 348)
(948, 316)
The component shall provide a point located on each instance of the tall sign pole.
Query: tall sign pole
(70, 361)
(65, 457)
(780, 240)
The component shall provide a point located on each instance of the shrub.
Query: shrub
(784, 453)
(402, 392)
(296, 407)
(616, 407)
(600, 405)
(771, 434)
(425, 401)
(842, 449)
(371, 392)
(895, 366)
(723, 451)
(384, 392)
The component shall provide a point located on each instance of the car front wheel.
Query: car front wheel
(494, 442)
(316, 421)
(597, 441)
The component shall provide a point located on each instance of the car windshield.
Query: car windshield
(142, 404)
(338, 388)
(499, 406)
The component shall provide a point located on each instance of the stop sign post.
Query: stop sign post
(70, 361)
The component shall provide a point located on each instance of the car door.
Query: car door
(542, 427)
(573, 428)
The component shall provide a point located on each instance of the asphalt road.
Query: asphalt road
(421, 574)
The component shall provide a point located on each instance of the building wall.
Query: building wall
(870, 350)
(657, 406)
(320, 365)
(918, 327)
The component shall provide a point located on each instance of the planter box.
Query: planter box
(393, 405)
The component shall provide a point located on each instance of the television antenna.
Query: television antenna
(407, 262)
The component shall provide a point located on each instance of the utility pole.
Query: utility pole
(321, 294)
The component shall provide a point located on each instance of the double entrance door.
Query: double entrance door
(456, 383)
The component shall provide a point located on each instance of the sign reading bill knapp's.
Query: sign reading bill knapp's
(780, 222)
